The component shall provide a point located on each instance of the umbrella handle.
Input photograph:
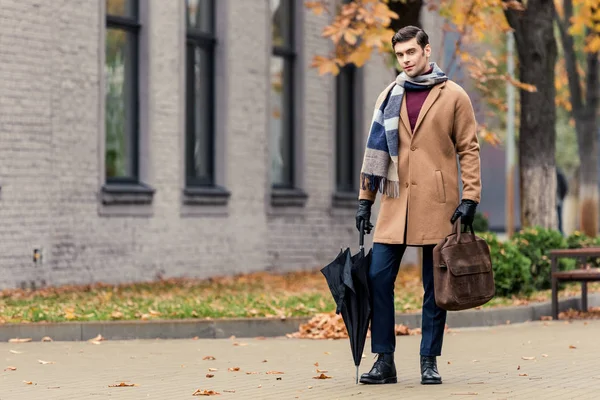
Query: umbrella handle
(361, 237)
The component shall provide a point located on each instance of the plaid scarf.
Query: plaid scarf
(377, 171)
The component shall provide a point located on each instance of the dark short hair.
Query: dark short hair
(409, 32)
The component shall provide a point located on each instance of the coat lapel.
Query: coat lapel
(404, 115)
(431, 98)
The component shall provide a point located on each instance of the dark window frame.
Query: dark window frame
(346, 106)
(289, 55)
(206, 42)
(131, 25)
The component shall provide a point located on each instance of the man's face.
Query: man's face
(412, 58)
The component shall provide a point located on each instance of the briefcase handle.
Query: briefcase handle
(457, 229)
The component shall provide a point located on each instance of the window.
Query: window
(200, 93)
(282, 93)
(122, 92)
(346, 179)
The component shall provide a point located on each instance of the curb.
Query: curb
(501, 315)
(255, 327)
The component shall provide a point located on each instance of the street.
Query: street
(537, 360)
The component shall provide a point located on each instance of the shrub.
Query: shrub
(578, 240)
(480, 222)
(535, 243)
(512, 270)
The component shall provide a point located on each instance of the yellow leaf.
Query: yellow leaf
(350, 38)
(360, 56)
(317, 7)
(325, 65)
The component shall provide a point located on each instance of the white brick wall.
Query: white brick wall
(51, 147)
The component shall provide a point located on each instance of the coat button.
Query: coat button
(413, 148)
(406, 184)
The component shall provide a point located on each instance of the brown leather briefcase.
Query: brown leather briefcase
(462, 271)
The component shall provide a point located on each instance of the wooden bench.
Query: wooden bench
(583, 275)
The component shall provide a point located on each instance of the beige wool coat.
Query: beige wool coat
(428, 170)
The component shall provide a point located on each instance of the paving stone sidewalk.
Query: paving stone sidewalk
(537, 360)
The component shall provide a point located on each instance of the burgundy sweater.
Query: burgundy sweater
(414, 102)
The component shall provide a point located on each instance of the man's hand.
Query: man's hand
(364, 214)
(466, 212)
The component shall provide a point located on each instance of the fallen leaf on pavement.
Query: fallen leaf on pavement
(310, 387)
(15, 352)
(97, 340)
(213, 369)
(251, 373)
(229, 391)
(46, 362)
(47, 339)
(200, 392)
(274, 373)
(535, 377)
(209, 358)
(321, 370)
(523, 375)
(261, 338)
(10, 368)
(322, 376)
(544, 355)
(123, 384)
(233, 369)
(240, 344)
(327, 353)
(19, 340)
(264, 361)
(572, 347)
(28, 382)
(210, 376)
(518, 367)
(546, 318)
(259, 386)
(316, 364)
(527, 358)
(475, 361)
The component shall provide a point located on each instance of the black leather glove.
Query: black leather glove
(466, 212)
(364, 214)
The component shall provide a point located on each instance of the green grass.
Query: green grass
(255, 295)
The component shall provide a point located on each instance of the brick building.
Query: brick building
(174, 138)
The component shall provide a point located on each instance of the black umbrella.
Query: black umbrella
(348, 280)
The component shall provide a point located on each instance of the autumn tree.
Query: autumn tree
(583, 96)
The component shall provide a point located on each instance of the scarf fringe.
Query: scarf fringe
(374, 183)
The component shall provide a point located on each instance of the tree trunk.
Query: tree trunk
(587, 129)
(536, 47)
(409, 13)
(586, 122)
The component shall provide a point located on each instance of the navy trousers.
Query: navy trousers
(382, 275)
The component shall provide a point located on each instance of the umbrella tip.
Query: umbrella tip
(357, 374)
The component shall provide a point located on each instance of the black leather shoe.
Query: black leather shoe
(383, 371)
(429, 371)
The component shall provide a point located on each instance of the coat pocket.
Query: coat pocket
(439, 182)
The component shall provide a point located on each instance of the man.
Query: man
(422, 121)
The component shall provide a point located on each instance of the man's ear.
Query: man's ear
(427, 50)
